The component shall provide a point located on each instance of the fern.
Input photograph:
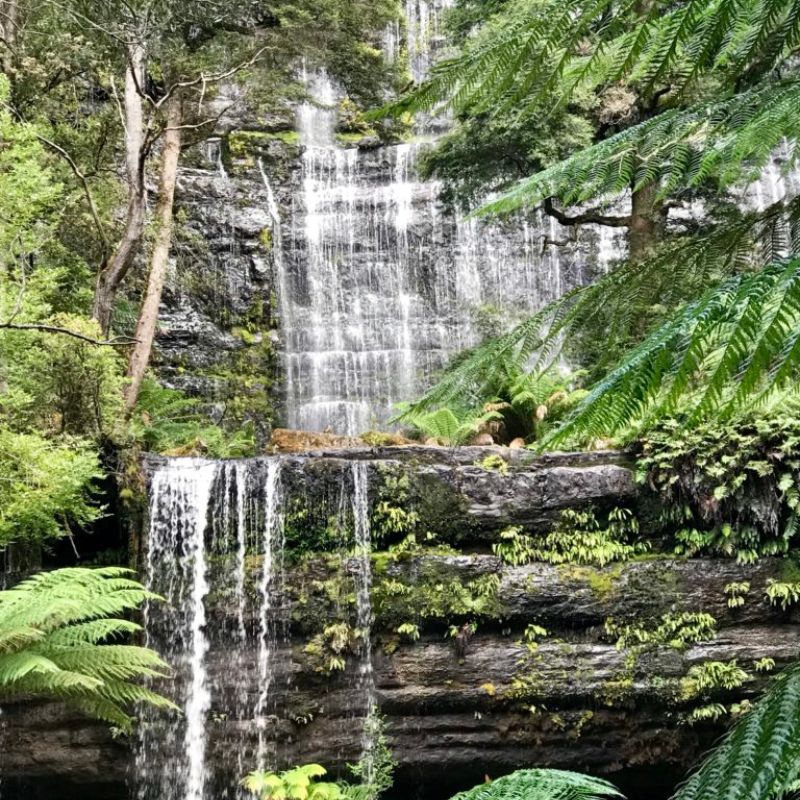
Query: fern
(729, 139)
(59, 638)
(736, 345)
(535, 54)
(541, 784)
(680, 270)
(760, 757)
(444, 425)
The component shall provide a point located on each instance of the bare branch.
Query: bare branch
(88, 20)
(214, 78)
(86, 189)
(117, 341)
(589, 217)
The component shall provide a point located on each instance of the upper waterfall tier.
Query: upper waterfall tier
(379, 286)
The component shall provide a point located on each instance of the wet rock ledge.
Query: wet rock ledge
(571, 692)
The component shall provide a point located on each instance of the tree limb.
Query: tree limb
(41, 328)
(203, 79)
(86, 190)
(589, 217)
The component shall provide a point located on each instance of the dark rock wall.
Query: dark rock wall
(218, 331)
(571, 696)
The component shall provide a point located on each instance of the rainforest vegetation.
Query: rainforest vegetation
(646, 116)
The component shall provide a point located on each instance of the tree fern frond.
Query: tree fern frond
(680, 270)
(675, 149)
(55, 634)
(717, 353)
(760, 757)
(541, 784)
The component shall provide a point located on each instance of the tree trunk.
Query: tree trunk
(9, 18)
(148, 314)
(644, 221)
(116, 268)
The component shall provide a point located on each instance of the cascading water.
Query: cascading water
(176, 568)
(424, 33)
(215, 553)
(270, 579)
(378, 286)
(206, 520)
(363, 575)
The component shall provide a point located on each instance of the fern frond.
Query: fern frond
(729, 139)
(717, 354)
(532, 56)
(56, 634)
(760, 757)
(541, 784)
(682, 269)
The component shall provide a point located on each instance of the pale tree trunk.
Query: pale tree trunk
(116, 268)
(9, 19)
(159, 259)
(645, 220)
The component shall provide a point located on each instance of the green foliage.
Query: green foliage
(494, 462)
(728, 487)
(327, 651)
(783, 593)
(510, 398)
(298, 783)
(677, 631)
(541, 784)
(166, 421)
(446, 425)
(391, 517)
(57, 384)
(600, 323)
(429, 597)
(577, 538)
(735, 593)
(375, 769)
(58, 634)
(486, 153)
(710, 677)
(758, 758)
(45, 487)
(409, 630)
(724, 140)
(734, 345)
(687, 103)
(537, 55)
(764, 664)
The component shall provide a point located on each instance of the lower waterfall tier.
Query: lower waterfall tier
(457, 592)
(454, 715)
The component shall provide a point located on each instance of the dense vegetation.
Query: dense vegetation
(97, 102)
(621, 113)
(682, 105)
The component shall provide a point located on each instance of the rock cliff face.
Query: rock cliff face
(318, 279)
(609, 679)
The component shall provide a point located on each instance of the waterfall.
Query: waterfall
(207, 519)
(271, 569)
(378, 285)
(363, 575)
(176, 568)
(424, 32)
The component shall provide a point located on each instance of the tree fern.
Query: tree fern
(536, 53)
(680, 270)
(733, 346)
(59, 638)
(759, 759)
(450, 429)
(675, 150)
(541, 784)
